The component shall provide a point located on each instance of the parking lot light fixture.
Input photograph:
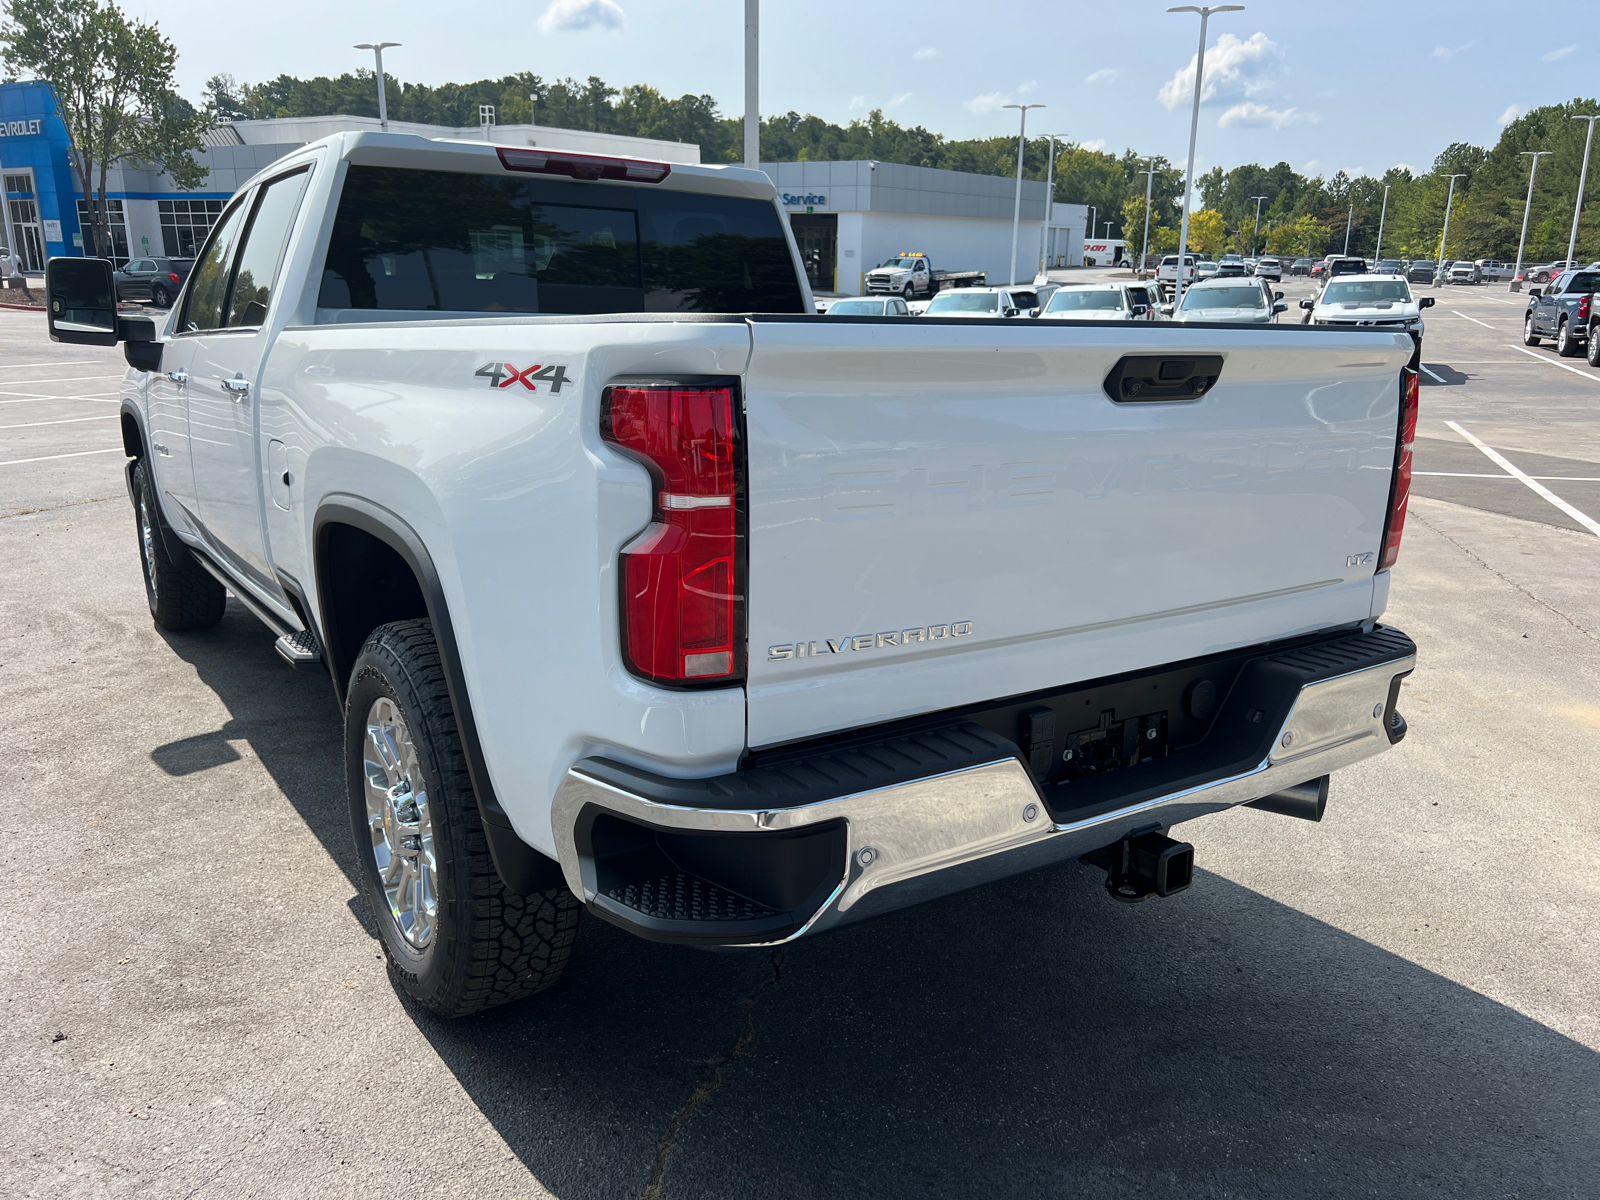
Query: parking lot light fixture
(1149, 183)
(1254, 232)
(1527, 207)
(1194, 131)
(1445, 233)
(1376, 254)
(1016, 214)
(1348, 221)
(1583, 178)
(377, 49)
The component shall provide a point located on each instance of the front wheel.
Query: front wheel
(1529, 337)
(182, 595)
(1566, 344)
(455, 938)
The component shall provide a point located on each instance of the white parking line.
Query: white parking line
(1488, 475)
(69, 379)
(1505, 464)
(66, 421)
(17, 462)
(1552, 362)
(92, 398)
(1498, 300)
(1475, 320)
(70, 362)
(1430, 374)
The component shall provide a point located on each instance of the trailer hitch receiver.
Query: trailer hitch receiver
(1144, 865)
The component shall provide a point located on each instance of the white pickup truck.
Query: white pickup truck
(645, 589)
(912, 275)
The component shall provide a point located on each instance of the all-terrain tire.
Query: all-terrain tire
(1529, 337)
(182, 595)
(488, 946)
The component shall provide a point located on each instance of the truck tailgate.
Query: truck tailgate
(941, 514)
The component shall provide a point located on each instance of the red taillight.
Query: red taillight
(1409, 402)
(173, 275)
(1583, 308)
(582, 166)
(682, 594)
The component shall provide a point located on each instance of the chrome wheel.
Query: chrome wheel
(147, 544)
(400, 823)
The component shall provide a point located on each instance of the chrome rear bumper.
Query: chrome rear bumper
(944, 832)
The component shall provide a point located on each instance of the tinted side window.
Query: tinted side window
(209, 286)
(256, 275)
(717, 254)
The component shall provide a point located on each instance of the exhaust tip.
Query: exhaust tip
(1308, 800)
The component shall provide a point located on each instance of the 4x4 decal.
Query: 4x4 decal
(503, 375)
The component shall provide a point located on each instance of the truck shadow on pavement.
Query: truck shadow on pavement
(1028, 1038)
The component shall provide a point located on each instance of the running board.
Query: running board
(298, 649)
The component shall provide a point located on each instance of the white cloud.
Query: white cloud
(1259, 116)
(1311, 166)
(1233, 68)
(1450, 51)
(926, 53)
(567, 16)
(1511, 113)
(1103, 75)
(992, 102)
(858, 102)
(1557, 55)
(1097, 145)
(1024, 89)
(1405, 167)
(896, 101)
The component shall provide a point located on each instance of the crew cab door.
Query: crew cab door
(223, 331)
(945, 513)
(1546, 307)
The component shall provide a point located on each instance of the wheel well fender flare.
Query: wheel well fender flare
(522, 868)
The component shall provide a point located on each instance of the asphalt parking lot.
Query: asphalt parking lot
(1404, 999)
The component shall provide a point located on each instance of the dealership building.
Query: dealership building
(848, 217)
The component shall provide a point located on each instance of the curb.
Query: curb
(38, 308)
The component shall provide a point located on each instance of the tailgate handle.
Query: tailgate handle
(1148, 378)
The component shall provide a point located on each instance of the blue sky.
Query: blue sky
(1353, 85)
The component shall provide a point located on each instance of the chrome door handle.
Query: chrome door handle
(238, 385)
(178, 376)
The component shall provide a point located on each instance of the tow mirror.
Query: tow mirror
(1279, 307)
(1425, 302)
(1308, 305)
(80, 301)
(1140, 310)
(1010, 312)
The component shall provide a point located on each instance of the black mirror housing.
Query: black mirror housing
(1308, 305)
(1532, 292)
(1010, 312)
(1277, 295)
(1425, 302)
(81, 301)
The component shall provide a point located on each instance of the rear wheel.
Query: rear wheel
(182, 595)
(160, 297)
(1566, 344)
(1529, 337)
(455, 938)
(1592, 351)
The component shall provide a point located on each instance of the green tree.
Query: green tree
(1208, 233)
(113, 84)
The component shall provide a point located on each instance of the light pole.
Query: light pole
(1016, 213)
(1583, 178)
(1527, 207)
(1149, 183)
(752, 84)
(1194, 131)
(1347, 223)
(1257, 229)
(1049, 206)
(377, 49)
(1376, 253)
(1445, 233)
(1089, 233)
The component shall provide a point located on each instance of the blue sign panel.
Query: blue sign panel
(33, 138)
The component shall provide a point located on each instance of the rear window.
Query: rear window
(1082, 299)
(437, 241)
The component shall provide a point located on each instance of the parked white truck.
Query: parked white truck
(912, 275)
(644, 589)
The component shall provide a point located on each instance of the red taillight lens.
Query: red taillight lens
(582, 166)
(682, 593)
(172, 275)
(1583, 308)
(1410, 394)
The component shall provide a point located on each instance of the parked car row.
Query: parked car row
(1564, 311)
